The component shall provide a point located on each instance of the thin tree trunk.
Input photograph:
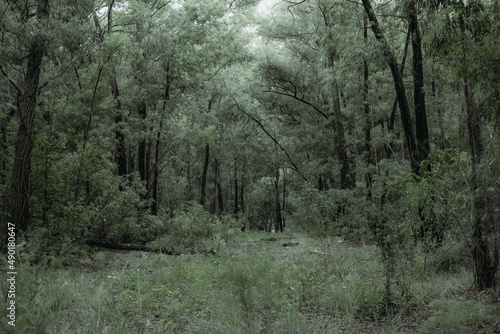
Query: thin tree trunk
(368, 123)
(345, 182)
(203, 193)
(156, 171)
(143, 150)
(216, 206)
(278, 227)
(121, 155)
(220, 199)
(283, 210)
(441, 142)
(236, 197)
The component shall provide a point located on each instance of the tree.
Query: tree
(27, 99)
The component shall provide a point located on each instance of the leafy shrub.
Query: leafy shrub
(332, 212)
(194, 229)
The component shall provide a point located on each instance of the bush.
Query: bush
(194, 230)
(331, 213)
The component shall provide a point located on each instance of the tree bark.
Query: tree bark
(21, 172)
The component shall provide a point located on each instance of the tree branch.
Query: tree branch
(272, 138)
(301, 99)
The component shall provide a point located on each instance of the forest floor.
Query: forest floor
(288, 283)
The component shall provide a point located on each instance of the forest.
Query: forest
(246, 166)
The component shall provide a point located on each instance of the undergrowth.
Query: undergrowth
(289, 284)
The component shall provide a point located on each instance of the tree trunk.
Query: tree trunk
(441, 142)
(21, 171)
(121, 155)
(422, 131)
(278, 227)
(345, 177)
(345, 182)
(236, 197)
(156, 171)
(284, 207)
(368, 123)
(398, 85)
(203, 193)
(156, 175)
(485, 259)
(220, 202)
(143, 152)
(217, 205)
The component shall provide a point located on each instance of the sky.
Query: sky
(265, 6)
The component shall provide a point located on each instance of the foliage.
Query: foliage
(193, 229)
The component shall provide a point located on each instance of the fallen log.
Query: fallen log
(131, 247)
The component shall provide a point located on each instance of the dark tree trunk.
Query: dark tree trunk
(220, 202)
(283, 216)
(422, 131)
(441, 142)
(278, 227)
(120, 152)
(398, 85)
(368, 123)
(143, 153)
(486, 259)
(203, 193)
(242, 190)
(156, 171)
(21, 171)
(236, 197)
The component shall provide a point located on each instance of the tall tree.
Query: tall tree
(21, 172)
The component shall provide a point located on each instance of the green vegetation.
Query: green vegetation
(247, 166)
(253, 285)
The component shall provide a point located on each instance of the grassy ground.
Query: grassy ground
(295, 284)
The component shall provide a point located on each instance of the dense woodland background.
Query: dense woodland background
(169, 125)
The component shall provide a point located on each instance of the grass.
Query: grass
(252, 286)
